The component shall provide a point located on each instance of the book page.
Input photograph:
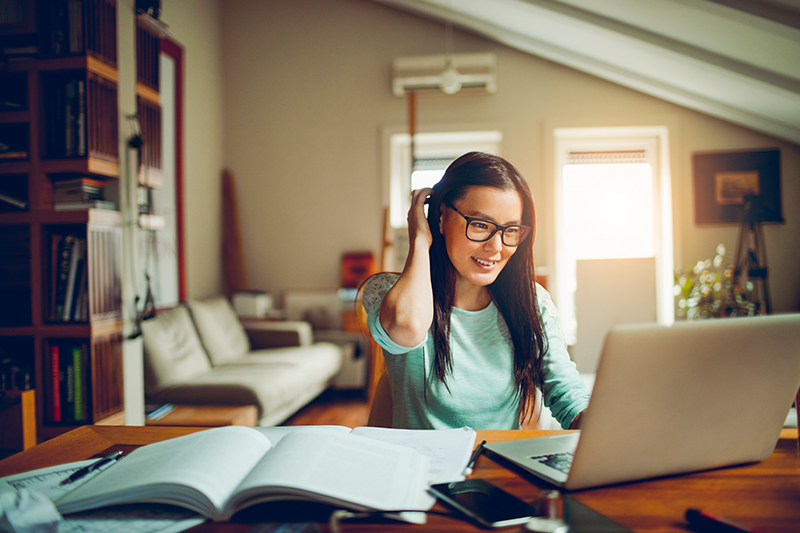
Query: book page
(276, 433)
(342, 469)
(448, 450)
(212, 463)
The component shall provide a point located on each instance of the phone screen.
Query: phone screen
(487, 504)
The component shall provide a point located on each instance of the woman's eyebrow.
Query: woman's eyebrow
(479, 214)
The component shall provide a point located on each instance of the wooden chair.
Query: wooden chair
(380, 413)
(380, 395)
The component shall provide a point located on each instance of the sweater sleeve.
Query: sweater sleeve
(564, 391)
(373, 296)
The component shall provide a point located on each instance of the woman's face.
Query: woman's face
(479, 263)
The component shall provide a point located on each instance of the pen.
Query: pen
(474, 458)
(707, 523)
(88, 469)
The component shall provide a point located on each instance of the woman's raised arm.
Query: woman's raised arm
(407, 309)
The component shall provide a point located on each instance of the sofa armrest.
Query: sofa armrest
(278, 334)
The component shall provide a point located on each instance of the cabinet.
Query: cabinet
(60, 260)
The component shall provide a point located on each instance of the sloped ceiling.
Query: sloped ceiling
(738, 60)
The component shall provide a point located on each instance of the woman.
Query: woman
(467, 334)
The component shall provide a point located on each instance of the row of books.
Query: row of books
(67, 27)
(65, 116)
(69, 294)
(66, 382)
(80, 193)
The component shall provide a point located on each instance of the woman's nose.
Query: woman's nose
(495, 242)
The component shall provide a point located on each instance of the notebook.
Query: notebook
(670, 400)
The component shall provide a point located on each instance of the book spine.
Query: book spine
(68, 390)
(55, 364)
(79, 270)
(81, 119)
(77, 375)
(77, 251)
(81, 304)
(65, 255)
(69, 122)
(13, 201)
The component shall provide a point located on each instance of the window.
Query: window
(434, 153)
(612, 201)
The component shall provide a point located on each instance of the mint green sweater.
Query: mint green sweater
(481, 391)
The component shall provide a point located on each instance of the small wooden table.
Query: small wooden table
(208, 416)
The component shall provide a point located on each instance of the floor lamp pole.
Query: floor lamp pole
(751, 254)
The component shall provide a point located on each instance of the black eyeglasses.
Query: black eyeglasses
(481, 230)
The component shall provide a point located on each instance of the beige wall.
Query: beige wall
(196, 25)
(306, 92)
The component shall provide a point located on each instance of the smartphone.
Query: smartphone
(488, 505)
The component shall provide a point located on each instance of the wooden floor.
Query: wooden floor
(332, 407)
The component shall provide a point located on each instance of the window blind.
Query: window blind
(632, 157)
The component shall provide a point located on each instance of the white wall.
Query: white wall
(306, 92)
(196, 25)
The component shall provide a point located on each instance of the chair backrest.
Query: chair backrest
(381, 409)
(380, 412)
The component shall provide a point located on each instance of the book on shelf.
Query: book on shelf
(83, 183)
(82, 206)
(64, 196)
(20, 52)
(11, 105)
(66, 399)
(61, 270)
(76, 264)
(80, 306)
(10, 200)
(9, 150)
(65, 116)
(54, 366)
(15, 374)
(65, 25)
(226, 469)
(79, 385)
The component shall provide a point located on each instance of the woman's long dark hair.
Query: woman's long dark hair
(514, 290)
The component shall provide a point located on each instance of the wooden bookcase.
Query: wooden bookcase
(148, 100)
(59, 112)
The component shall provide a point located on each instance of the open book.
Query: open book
(220, 471)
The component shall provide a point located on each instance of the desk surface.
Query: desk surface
(763, 496)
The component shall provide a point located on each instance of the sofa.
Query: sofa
(200, 353)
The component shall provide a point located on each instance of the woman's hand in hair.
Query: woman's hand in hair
(418, 227)
(407, 309)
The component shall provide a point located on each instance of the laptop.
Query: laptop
(675, 399)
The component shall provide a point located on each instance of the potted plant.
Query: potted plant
(710, 290)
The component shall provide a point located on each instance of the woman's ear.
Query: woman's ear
(441, 221)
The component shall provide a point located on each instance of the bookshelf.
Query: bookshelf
(61, 313)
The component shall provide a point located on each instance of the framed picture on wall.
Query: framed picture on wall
(722, 180)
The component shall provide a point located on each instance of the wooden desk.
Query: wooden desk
(764, 495)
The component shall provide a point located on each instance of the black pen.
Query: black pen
(707, 523)
(474, 458)
(88, 469)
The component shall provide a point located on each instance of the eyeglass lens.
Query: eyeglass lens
(482, 231)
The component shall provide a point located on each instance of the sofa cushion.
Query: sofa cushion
(270, 385)
(172, 349)
(220, 329)
(323, 359)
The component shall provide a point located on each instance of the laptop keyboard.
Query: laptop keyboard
(558, 461)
